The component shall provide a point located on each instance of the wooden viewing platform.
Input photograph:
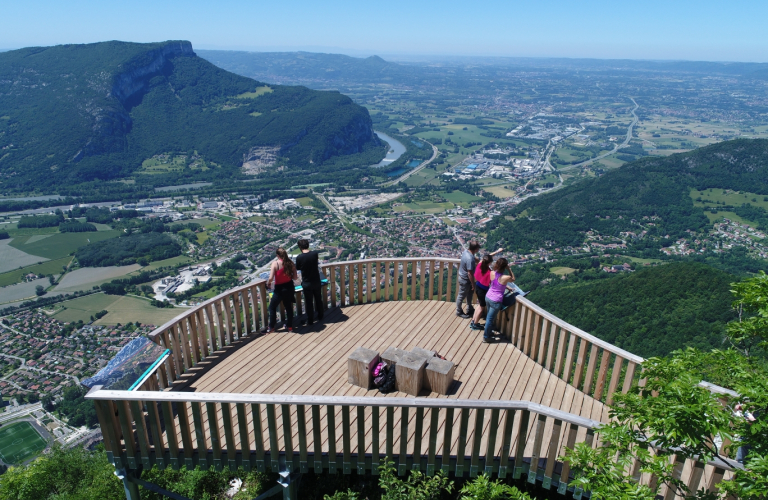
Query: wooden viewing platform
(281, 402)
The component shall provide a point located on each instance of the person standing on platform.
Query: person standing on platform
(494, 299)
(282, 272)
(307, 263)
(467, 279)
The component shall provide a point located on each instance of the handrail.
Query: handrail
(394, 402)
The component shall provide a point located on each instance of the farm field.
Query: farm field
(304, 201)
(19, 442)
(26, 290)
(728, 197)
(59, 245)
(46, 268)
(561, 271)
(122, 309)
(173, 261)
(13, 258)
(501, 191)
(82, 308)
(459, 197)
(728, 215)
(424, 207)
(130, 309)
(88, 277)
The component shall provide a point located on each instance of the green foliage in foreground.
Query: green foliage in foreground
(74, 474)
(650, 312)
(129, 249)
(682, 418)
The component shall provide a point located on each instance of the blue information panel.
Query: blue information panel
(129, 367)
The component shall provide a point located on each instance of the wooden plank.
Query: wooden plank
(246, 302)
(170, 432)
(369, 282)
(418, 434)
(447, 431)
(301, 423)
(332, 284)
(440, 274)
(156, 429)
(274, 447)
(602, 374)
(551, 347)
(450, 292)
(529, 331)
(386, 280)
(434, 422)
(285, 411)
(569, 357)
(263, 302)
(124, 416)
(317, 439)
(258, 437)
(413, 280)
(330, 418)
(533, 351)
(580, 359)
(396, 284)
(573, 430)
(141, 431)
(629, 377)
(474, 466)
(564, 334)
(423, 290)
(614, 379)
(552, 453)
(199, 426)
(590, 370)
(490, 450)
(361, 438)
(375, 458)
(544, 337)
(506, 442)
(202, 335)
(359, 283)
(541, 422)
(517, 326)
(242, 425)
(677, 471)
(227, 311)
(229, 436)
(346, 431)
(401, 460)
(522, 434)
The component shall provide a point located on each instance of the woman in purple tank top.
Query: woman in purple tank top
(495, 296)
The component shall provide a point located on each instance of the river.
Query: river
(396, 150)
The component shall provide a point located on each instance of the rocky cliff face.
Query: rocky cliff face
(138, 71)
(352, 138)
(111, 123)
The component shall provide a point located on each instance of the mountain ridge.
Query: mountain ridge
(77, 113)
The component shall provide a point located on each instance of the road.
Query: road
(628, 138)
(28, 410)
(409, 173)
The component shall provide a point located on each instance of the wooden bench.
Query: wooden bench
(410, 373)
(392, 355)
(439, 375)
(360, 366)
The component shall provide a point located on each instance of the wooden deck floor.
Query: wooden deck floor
(314, 362)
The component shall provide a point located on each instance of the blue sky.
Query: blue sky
(649, 29)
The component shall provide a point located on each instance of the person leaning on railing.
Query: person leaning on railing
(311, 284)
(466, 279)
(282, 272)
(494, 299)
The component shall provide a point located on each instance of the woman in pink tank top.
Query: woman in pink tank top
(495, 296)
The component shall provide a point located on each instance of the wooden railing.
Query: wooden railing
(343, 433)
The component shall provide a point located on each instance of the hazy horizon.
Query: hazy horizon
(657, 31)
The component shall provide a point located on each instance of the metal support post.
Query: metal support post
(131, 488)
(290, 484)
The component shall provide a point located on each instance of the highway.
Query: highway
(409, 173)
(28, 410)
(628, 138)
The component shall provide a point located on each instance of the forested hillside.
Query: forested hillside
(649, 187)
(651, 312)
(71, 114)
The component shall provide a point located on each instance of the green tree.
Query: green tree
(684, 419)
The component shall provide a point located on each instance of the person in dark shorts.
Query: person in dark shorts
(282, 272)
(307, 263)
(482, 283)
